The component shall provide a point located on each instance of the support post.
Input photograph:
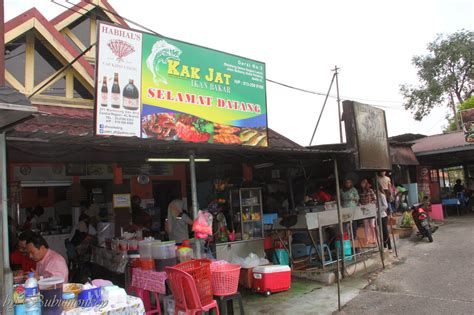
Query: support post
(292, 194)
(336, 73)
(192, 179)
(6, 277)
(379, 220)
(339, 216)
(2, 44)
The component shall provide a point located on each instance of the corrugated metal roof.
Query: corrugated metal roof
(402, 155)
(443, 142)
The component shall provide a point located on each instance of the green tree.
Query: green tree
(452, 123)
(445, 74)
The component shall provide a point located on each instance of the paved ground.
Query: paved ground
(311, 297)
(436, 278)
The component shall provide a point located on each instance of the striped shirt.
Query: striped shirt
(367, 196)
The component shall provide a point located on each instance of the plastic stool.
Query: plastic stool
(327, 253)
(224, 301)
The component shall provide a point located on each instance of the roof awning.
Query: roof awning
(67, 134)
(402, 155)
(14, 107)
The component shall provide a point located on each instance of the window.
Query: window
(81, 28)
(56, 89)
(15, 57)
(80, 91)
(45, 62)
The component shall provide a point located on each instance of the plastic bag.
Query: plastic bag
(202, 226)
(251, 261)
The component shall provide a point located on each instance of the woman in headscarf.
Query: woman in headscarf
(177, 222)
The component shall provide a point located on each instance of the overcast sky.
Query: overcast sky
(301, 41)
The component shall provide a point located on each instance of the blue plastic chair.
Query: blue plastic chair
(327, 253)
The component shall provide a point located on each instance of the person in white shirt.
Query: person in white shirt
(385, 183)
(383, 204)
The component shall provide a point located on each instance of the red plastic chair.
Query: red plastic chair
(145, 296)
(185, 293)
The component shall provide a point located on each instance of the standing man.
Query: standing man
(385, 184)
(48, 262)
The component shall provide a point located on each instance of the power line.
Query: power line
(334, 96)
(298, 89)
(269, 80)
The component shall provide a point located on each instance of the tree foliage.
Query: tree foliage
(445, 72)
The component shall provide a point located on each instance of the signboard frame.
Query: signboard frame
(366, 147)
(467, 122)
(262, 128)
(121, 201)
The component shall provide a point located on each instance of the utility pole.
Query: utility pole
(336, 73)
(334, 76)
(322, 110)
(2, 44)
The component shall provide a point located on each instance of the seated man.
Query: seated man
(48, 262)
(20, 255)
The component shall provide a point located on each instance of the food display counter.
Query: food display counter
(246, 216)
(111, 260)
(320, 220)
(226, 251)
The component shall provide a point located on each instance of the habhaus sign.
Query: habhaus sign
(155, 87)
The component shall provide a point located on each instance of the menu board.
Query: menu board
(155, 87)
(366, 132)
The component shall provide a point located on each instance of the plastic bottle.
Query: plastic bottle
(32, 296)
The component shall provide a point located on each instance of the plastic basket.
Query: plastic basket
(225, 279)
(200, 270)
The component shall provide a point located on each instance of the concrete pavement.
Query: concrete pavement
(431, 278)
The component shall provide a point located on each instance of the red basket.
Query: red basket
(225, 279)
(200, 270)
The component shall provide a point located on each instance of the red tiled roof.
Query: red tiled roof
(66, 112)
(34, 13)
(58, 122)
(441, 142)
(82, 4)
(111, 9)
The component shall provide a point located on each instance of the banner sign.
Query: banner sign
(467, 118)
(159, 88)
(366, 131)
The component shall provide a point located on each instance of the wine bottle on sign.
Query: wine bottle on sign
(104, 93)
(116, 92)
(130, 96)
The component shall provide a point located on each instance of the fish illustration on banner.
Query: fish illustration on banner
(159, 55)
